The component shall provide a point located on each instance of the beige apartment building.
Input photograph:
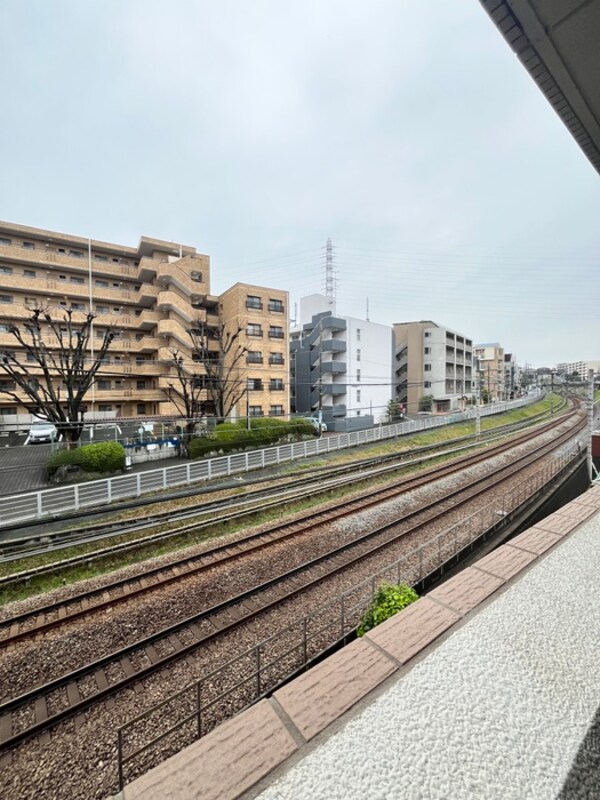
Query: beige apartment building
(490, 360)
(152, 294)
(432, 361)
(261, 315)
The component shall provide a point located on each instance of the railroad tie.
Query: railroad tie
(5, 727)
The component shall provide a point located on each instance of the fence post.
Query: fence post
(39, 504)
(258, 687)
(304, 636)
(199, 708)
(120, 757)
(138, 483)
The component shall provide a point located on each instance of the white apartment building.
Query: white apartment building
(341, 366)
(582, 368)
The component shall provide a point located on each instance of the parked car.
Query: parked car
(314, 421)
(42, 432)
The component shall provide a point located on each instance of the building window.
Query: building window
(427, 350)
(78, 306)
(139, 337)
(29, 245)
(196, 276)
(5, 270)
(357, 375)
(358, 334)
(252, 301)
(6, 298)
(358, 355)
(98, 257)
(427, 367)
(276, 411)
(276, 385)
(427, 384)
(276, 358)
(103, 284)
(4, 328)
(76, 253)
(29, 273)
(7, 386)
(104, 407)
(5, 241)
(427, 334)
(253, 330)
(7, 410)
(62, 277)
(76, 279)
(358, 395)
(140, 384)
(254, 357)
(275, 332)
(276, 306)
(255, 411)
(102, 309)
(141, 408)
(104, 385)
(255, 384)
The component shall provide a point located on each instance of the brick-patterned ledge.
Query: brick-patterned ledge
(234, 757)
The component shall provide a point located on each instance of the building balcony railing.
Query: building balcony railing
(276, 308)
(254, 305)
(276, 362)
(276, 334)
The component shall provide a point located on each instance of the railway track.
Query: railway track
(227, 509)
(56, 614)
(30, 713)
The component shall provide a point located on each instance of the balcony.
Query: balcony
(276, 386)
(331, 368)
(276, 362)
(255, 359)
(254, 305)
(333, 346)
(44, 257)
(147, 294)
(276, 307)
(276, 334)
(170, 301)
(172, 328)
(180, 274)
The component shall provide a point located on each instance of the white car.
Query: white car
(42, 432)
(314, 421)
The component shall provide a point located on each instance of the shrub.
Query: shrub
(100, 458)
(229, 436)
(390, 599)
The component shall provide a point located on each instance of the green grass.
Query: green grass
(94, 568)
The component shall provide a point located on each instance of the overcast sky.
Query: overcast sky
(407, 132)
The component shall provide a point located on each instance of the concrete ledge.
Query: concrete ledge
(325, 692)
(229, 761)
(222, 764)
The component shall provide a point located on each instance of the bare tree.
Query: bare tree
(64, 372)
(218, 388)
(187, 392)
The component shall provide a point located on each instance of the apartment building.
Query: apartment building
(490, 357)
(151, 294)
(431, 360)
(581, 368)
(261, 316)
(341, 366)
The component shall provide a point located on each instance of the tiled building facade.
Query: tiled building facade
(152, 294)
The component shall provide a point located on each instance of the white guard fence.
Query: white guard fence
(62, 500)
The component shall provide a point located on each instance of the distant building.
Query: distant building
(512, 376)
(340, 366)
(580, 368)
(434, 361)
(491, 369)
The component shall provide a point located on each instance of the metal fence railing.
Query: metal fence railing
(171, 725)
(74, 497)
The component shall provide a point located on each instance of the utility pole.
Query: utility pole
(478, 410)
(590, 462)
